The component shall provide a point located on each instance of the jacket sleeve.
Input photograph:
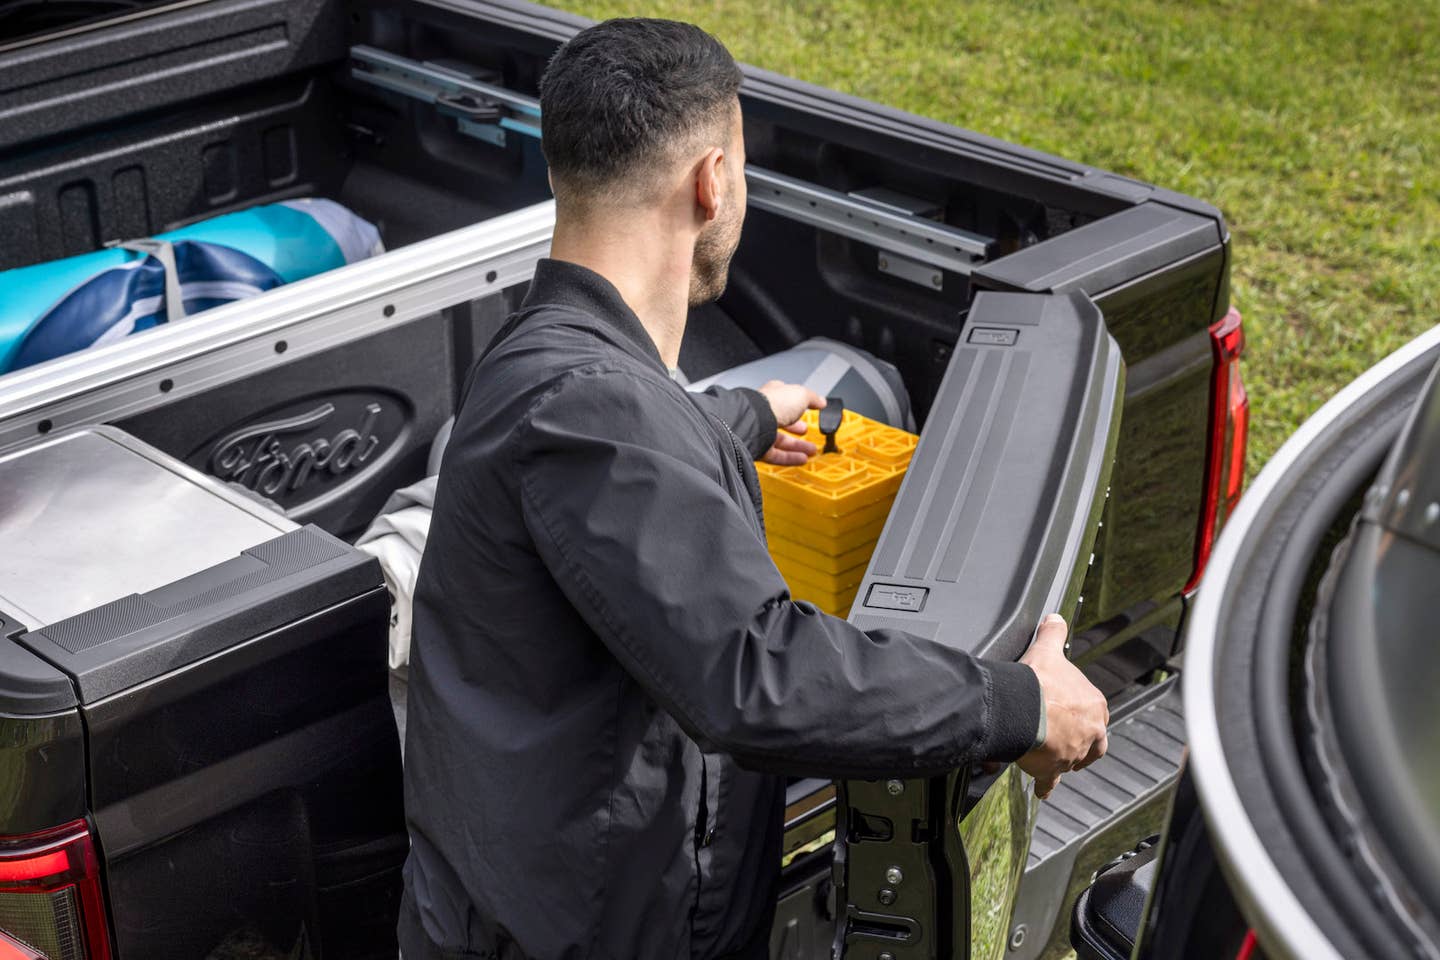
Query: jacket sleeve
(745, 411)
(672, 576)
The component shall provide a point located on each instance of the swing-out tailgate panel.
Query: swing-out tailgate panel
(994, 524)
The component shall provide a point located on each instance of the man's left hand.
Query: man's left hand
(789, 401)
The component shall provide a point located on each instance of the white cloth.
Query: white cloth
(397, 539)
(357, 239)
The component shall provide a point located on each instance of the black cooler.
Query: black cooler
(228, 668)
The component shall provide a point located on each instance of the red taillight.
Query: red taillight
(50, 899)
(12, 949)
(1225, 447)
(35, 868)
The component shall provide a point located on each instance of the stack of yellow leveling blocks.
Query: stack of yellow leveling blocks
(823, 519)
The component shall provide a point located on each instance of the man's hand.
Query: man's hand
(790, 401)
(1075, 712)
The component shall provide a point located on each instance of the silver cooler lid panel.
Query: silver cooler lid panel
(95, 515)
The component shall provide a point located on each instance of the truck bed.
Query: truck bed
(259, 103)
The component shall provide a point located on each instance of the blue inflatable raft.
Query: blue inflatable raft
(55, 308)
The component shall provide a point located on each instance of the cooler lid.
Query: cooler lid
(94, 515)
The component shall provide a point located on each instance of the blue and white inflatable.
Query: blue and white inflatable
(55, 308)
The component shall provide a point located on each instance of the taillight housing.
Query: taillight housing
(1225, 445)
(50, 897)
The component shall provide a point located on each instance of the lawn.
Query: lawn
(1314, 126)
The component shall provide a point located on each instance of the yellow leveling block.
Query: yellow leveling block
(824, 518)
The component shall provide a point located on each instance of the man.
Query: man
(608, 673)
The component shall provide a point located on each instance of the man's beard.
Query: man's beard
(710, 266)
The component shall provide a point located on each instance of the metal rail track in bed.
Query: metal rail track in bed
(240, 339)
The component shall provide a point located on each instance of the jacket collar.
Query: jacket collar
(567, 284)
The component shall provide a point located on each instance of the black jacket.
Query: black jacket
(608, 672)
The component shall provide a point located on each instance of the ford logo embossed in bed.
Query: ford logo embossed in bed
(307, 448)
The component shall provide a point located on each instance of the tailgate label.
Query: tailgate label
(993, 336)
(890, 596)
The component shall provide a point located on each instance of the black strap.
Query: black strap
(831, 416)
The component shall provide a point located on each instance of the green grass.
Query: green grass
(1314, 126)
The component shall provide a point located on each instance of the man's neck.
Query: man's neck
(651, 273)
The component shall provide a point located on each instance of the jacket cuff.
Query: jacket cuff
(765, 425)
(1014, 711)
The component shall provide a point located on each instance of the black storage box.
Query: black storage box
(241, 765)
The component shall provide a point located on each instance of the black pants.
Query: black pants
(415, 945)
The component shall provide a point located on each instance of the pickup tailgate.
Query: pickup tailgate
(992, 529)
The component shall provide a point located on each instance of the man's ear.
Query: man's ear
(710, 182)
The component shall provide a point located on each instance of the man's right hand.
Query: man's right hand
(789, 401)
(1075, 711)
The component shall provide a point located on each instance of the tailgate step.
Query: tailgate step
(1143, 759)
(1100, 812)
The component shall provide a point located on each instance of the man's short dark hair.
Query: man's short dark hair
(621, 97)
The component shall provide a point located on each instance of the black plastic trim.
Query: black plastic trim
(1109, 913)
(1014, 460)
(133, 639)
(28, 685)
(1105, 253)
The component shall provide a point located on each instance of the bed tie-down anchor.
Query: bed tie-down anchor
(482, 110)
